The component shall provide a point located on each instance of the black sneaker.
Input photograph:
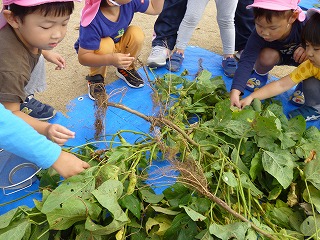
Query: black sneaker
(95, 85)
(131, 77)
(37, 109)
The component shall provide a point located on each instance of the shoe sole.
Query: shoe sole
(156, 65)
(230, 76)
(48, 118)
(124, 79)
(89, 94)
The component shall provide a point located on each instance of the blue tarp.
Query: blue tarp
(80, 116)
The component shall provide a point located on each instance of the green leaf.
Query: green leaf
(234, 230)
(267, 127)
(286, 141)
(204, 235)
(165, 210)
(97, 229)
(235, 157)
(275, 192)
(195, 216)
(312, 172)
(281, 215)
(256, 165)
(132, 203)
(280, 165)
(246, 183)
(310, 225)
(230, 179)
(295, 128)
(118, 154)
(78, 186)
(150, 197)
(107, 195)
(8, 217)
(16, 231)
(182, 227)
(315, 196)
(162, 224)
(69, 213)
(82, 233)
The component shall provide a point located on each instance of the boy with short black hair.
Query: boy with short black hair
(308, 72)
(275, 41)
(26, 28)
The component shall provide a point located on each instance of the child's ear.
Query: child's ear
(294, 17)
(11, 19)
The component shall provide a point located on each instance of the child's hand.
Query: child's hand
(54, 58)
(58, 133)
(122, 60)
(246, 101)
(300, 55)
(68, 165)
(235, 98)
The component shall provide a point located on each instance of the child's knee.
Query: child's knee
(106, 46)
(136, 33)
(269, 57)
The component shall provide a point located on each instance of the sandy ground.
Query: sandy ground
(65, 85)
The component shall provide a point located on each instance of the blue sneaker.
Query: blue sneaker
(297, 97)
(256, 81)
(229, 66)
(309, 113)
(175, 61)
(37, 109)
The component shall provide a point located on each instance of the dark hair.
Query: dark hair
(311, 31)
(52, 8)
(268, 14)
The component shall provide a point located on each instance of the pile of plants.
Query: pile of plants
(249, 174)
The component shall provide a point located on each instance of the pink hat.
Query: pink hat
(26, 3)
(279, 5)
(89, 11)
(312, 11)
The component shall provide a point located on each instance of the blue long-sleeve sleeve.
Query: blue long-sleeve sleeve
(246, 63)
(17, 137)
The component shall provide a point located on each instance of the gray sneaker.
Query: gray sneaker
(158, 56)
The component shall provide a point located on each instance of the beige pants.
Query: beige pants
(131, 42)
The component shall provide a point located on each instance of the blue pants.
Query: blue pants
(168, 22)
(244, 23)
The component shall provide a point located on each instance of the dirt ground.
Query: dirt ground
(69, 83)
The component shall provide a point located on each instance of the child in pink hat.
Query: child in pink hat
(308, 72)
(276, 40)
(27, 28)
(106, 38)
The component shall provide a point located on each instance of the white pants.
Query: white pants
(37, 82)
(225, 16)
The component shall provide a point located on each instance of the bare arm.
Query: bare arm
(155, 7)
(54, 132)
(92, 59)
(270, 90)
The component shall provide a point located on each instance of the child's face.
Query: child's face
(42, 32)
(278, 29)
(313, 53)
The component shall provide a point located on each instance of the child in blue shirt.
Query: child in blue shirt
(275, 41)
(107, 39)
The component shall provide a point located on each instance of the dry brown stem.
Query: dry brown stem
(192, 176)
